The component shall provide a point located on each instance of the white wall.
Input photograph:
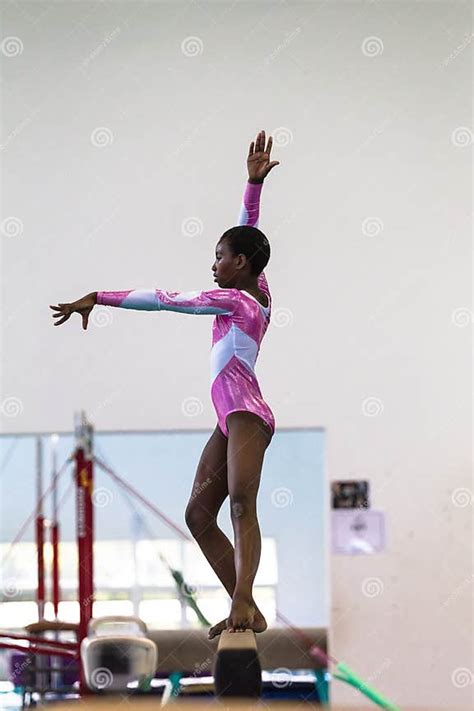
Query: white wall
(369, 219)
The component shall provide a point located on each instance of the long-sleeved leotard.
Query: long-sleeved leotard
(237, 332)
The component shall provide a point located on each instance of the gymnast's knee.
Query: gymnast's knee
(242, 505)
(198, 520)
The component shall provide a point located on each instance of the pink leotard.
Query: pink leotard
(238, 329)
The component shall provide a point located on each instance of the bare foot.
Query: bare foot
(242, 613)
(259, 624)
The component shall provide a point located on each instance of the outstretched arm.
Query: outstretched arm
(214, 301)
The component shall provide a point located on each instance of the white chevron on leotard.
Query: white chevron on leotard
(237, 343)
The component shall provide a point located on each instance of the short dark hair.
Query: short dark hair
(244, 239)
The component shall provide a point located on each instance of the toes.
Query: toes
(231, 627)
(238, 627)
(217, 629)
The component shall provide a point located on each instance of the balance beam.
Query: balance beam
(237, 670)
(190, 650)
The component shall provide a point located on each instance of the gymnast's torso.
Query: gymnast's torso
(238, 328)
(236, 339)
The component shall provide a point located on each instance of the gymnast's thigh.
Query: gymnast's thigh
(249, 437)
(210, 482)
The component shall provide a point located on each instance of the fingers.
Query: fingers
(257, 145)
(63, 313)
(63, 308)
(260, 144)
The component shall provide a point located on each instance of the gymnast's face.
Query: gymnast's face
(225, 266)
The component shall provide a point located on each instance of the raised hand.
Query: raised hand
(83, 306)
(258, 159)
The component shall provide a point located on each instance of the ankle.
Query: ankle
(243, 596)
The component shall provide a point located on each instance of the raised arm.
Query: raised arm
(250, 208)
(249, 214)
(258, 166)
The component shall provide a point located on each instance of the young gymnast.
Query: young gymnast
(233, 456)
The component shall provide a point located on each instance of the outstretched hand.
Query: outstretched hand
(83, 306)
(258, 159)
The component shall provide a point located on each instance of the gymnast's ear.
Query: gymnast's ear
(243, 261)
